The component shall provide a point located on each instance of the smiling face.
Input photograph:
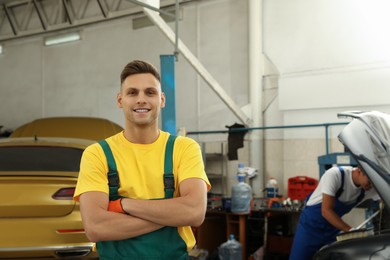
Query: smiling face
(141, 100)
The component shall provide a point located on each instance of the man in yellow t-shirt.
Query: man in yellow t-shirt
(142, 222)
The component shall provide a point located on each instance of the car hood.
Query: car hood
(367, 138)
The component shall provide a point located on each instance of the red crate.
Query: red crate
(301, 186)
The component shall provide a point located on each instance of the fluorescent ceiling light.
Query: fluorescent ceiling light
(1, 49)
(62, 38)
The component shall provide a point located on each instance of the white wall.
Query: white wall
(331, 55)
(82, 78)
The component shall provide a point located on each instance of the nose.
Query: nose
(141, 98)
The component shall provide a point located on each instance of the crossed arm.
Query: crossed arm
(144, 216)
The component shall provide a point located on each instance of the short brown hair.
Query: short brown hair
(139, 67)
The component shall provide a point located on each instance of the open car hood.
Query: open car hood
(367, 138)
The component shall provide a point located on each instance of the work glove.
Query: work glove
(116, 206)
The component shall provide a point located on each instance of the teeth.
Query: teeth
(141, 110)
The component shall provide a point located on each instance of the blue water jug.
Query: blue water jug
(230, 250)
(241, 196)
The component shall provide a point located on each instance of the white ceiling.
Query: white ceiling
(20, 18)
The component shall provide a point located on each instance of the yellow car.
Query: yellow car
(38, 175)
(73, 127)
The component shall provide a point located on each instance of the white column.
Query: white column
(256, 72)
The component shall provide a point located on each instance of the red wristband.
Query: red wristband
(116, 206)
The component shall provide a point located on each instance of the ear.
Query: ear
(162, 100)
(119, 100)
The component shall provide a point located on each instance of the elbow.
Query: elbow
(197, 222)
(92, 234)
(92, 238)
(197, 218)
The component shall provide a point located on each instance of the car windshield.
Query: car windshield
(39, 158)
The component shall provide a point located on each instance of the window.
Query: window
(40, 158)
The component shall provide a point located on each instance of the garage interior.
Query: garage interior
(257, 82)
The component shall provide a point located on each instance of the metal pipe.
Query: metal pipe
(176, 52)
(103, 8)
(11, 21)
(68, 12)
(327, 139)
(41, 16)
(326, 125)
(264, 128)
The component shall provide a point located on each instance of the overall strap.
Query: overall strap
(341, 189)
(361, 196)
(112, 175)
(169, 180)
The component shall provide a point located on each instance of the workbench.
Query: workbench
(275, 235)
(279, 238)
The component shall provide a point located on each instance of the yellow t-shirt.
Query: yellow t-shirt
(141, 169)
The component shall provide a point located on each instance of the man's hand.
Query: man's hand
(116, 206)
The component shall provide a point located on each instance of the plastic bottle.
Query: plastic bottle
(272, 188)
(241, 194)
(230, 250)
(241, 169)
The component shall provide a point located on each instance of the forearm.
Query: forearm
(102, 225)
(117, 226)
(336, 221)
(168, 212)
(187, 210)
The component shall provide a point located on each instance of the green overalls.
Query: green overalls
(164, 243)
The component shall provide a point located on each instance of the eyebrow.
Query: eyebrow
(146, 89)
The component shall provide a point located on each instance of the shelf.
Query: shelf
(211, 156)
(215, 161)
(213, 176)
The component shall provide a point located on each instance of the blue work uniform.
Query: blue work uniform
(314, 231)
